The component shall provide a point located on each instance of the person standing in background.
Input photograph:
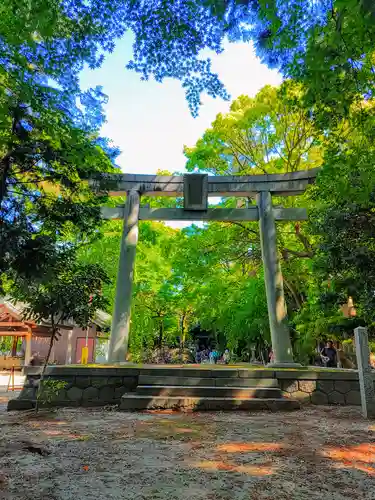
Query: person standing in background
(329, 355)
(226, 356)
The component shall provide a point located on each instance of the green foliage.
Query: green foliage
(238, 309)
(153, 298)
(47, 39)
(105, 249)
(345, 245)
(49, 147)
(72, 291)
(269, 133)
(343, 43)
(6, 344)
(273, 132)
(45, 159)
(327, 45)
(50, 390)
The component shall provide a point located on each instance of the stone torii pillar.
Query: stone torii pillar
(118, 345)
(280, 338)
(365, 374)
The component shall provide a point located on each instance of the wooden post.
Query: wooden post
(11, 380)
(11, 383)
(68, 359)
(118, 346)
(14, 346)
(365, 374)
(281, 345)
(28, 347)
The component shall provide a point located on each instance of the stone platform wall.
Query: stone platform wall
(82, 386)
(86, 386)
(321, 388)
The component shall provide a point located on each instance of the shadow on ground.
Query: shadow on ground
(318, 452)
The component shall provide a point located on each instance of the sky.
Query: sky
(150, 122)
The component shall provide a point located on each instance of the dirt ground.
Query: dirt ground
(75, 454)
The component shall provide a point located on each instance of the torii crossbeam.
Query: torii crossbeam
(196, 188)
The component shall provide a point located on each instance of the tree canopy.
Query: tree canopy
(269, 133)
(49, 147)
(327, 45)
(46, 159)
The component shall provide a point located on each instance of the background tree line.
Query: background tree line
(212, 275)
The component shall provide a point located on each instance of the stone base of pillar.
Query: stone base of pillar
(284, 365)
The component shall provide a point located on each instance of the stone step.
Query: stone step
(209, 391)
(134, 402)
(207, 381)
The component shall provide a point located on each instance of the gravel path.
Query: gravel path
(75, 454)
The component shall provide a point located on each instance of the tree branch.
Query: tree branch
(246, 229)
(293, 292)
(303, 239)
(285, 252)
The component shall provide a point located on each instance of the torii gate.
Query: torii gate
(196, 188)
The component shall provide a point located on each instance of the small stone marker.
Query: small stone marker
(365, 374)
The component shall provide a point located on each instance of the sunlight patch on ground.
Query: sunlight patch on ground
(356, 457)
(160, 412)
(45, 423)
(183, 430)
(244, 447)
(66, 435)
(355, 465)
(216, 465)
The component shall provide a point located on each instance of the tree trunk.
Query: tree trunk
(4, 172)
(161, 333)
(183, 330)
(53, 332)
